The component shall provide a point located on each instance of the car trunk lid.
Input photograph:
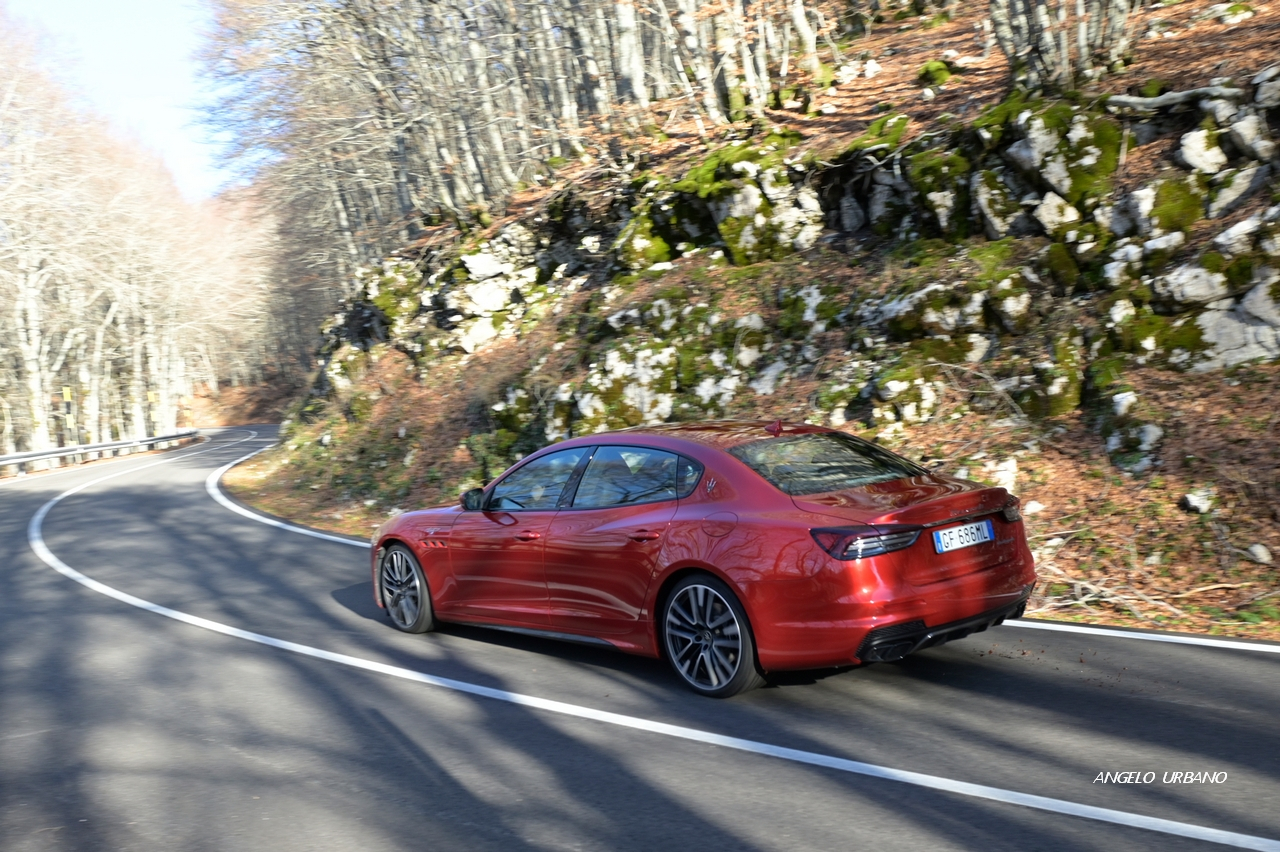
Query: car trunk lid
(933, 502)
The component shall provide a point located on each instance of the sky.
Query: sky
(133, 61)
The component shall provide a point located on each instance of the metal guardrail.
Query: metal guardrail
(85, 449)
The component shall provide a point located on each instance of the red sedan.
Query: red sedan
(731, 548)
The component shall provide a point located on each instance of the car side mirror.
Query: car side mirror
(472, 499)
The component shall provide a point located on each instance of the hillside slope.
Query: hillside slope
(1074, 298)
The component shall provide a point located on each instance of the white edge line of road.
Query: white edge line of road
(211, 486)
(933, 782)
(1172, 638)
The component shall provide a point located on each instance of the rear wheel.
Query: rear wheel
(404, 590)
(707, 638)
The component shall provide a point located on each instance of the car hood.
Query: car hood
(924, 499)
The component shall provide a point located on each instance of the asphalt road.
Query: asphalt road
(123, 729)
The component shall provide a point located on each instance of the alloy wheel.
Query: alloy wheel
(401, 589)
(703, 636)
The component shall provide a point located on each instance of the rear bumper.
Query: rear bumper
(895, 641)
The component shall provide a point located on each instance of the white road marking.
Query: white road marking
(211, 485)
(933, 782)
(1173, 638)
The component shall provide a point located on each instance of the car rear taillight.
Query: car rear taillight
(1012, 509)
(860, 542)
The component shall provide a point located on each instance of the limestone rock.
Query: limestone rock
(1259, 303)
(1237, 189)
(997, 207)
(1268, 95)
(1266, 75)
(1234, 337)
(1199, 502)
(1260, 553)
(848, 72)
(485, 265)
(1222, 111)
(1199, 152)
(476, 334)
(1122, 402)
(1055, 214)
(1246, 133)
(1164, 243)
(852, 217)
(1238, 239)
(1191, 284)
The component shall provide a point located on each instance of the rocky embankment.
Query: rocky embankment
(1038, 264)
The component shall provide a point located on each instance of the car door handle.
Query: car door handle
(644, 535)
(528, 535)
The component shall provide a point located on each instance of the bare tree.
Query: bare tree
(116, 294)
(1055, 43)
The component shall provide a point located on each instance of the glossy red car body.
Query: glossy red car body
(600, 574)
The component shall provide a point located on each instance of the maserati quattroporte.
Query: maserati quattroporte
(730, 548)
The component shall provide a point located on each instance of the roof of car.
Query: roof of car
(720, 434)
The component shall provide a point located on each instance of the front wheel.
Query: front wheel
(707, 638)
(404, 590)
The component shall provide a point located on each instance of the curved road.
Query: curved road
(124, 729)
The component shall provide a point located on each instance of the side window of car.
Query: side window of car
(624, 476)
(536, 485)
(688, 472)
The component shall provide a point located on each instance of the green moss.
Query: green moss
(886, 131)
(1154, 88)
(639, 246)
(934, 73)
(1240, 273)
(1213, 262)
(1062, 267)
(993, 259)
(715, 175)
(940, 170)
(1094, 160)
(1177, 206)
(996, 118)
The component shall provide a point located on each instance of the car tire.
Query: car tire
(403, 590)
(707, 638)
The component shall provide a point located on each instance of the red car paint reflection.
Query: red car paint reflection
(707, 544)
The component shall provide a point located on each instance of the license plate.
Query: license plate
(967, 535)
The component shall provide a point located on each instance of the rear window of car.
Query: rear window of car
(822, 461)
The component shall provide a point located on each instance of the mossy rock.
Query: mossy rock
(1157, 340)
(1073, 151)
(941, 177)
(639, 246)
(715, 175)
(993, 125)
(937, 309)
(1179, 204)
(1009, 304)
(908, 386)
(1059, 382)
(935, 72)
(886, 131)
